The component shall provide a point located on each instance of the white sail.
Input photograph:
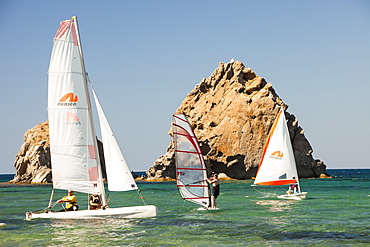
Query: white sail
(118, 173)
(73, 144)
(277, 165)
(191, 172)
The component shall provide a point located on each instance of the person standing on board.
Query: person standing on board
(215, 189)
(70, 200)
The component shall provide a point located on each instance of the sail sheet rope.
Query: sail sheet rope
(265, 193)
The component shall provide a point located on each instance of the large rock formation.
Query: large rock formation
(231, 113)
(32, 163)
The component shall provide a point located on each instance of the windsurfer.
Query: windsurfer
(70, 200)
(215, 189)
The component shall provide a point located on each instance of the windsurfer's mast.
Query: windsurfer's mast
(84, 74)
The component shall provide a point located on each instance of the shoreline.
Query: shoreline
(221, 177)
(26, 184)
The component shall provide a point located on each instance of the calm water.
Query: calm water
(336, 213)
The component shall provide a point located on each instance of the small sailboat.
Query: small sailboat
(277, 165)
(191, 174)
(73, 143)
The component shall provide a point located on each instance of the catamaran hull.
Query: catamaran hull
(295, 196)
(123, 212)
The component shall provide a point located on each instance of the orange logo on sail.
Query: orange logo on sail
(277, 155)
(71, 96)
(69, 99)
(71, 119)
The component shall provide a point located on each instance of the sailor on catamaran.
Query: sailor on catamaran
(95, 202)
(71, 202)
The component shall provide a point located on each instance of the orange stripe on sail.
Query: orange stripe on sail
(269, 137)
(278, 182)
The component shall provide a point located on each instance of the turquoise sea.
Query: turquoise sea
(336, 213)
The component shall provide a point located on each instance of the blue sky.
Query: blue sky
(144, 57)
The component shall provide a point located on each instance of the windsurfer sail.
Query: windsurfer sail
(191, 174)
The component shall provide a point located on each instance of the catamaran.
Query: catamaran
(73, 144)
(191, 173)
(277, 165)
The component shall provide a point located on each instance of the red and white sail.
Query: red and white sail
(277, 165)
(191, 171)
(74, 155)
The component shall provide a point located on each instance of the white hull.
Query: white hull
(123, 212)
(295, 196)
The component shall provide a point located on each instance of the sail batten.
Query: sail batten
(191, 172)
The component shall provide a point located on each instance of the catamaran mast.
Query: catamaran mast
(97, 158)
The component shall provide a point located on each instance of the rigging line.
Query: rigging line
(141, 196)
(183, 203)
(272, 194)
(177, 191)
(88, 78)
(195, 182)
(50, 207)
(107, 199)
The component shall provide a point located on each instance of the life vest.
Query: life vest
(95, 199)
(72, 201)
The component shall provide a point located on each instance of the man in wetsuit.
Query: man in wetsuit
(70, 200)
(215, 189)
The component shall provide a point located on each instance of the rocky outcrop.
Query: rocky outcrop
(32, 163)
(231, 113)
